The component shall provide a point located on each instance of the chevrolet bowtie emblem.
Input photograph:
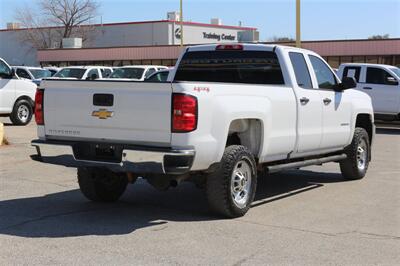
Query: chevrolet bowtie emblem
(102, 113)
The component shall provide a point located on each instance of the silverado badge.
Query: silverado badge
(103, 113)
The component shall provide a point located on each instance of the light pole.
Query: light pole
(298, 33)
(181, 20)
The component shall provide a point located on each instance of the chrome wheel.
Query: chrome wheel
(241, 183)
(362, 154)
(23, 113)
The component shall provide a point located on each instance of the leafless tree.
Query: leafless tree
(282, 39)
(379, 37)
(55, 20)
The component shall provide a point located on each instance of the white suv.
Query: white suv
(34, 74)
(381, 83)
(83, 72)
(16, 96)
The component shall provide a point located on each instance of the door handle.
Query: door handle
(327, 101)
(304, 100)
(367, 88)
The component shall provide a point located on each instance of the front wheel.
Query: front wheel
(231, 188)
(98, 184)
(358, 156)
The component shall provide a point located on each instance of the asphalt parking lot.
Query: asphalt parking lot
(310, 216)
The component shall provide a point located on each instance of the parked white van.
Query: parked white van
(34, 74)
(381, 83)
(16, 96)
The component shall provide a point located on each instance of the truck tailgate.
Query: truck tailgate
(109, 111)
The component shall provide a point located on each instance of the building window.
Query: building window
(345, 59)
(358, 59)
(334, 61)
(371, 59)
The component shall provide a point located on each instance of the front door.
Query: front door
(7, 88)
(385, 95)
(336, 106)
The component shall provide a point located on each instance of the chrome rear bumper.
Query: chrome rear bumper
(128, 158)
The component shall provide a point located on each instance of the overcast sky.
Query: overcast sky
(321, 19)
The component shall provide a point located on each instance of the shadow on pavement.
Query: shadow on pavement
(68, 213)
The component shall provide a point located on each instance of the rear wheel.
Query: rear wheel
(22, 113)
(231, 188)
(99, 184)
(358, 155)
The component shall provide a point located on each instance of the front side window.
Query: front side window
(301, 70)
(70, 73)
(23, 74)
(149, 72)
(105, 72)
(378, 76)
(252, 67)
(325, 76)
(128, 73)
(352, 72)
(40, 73)
(5, 71)
(93, 72)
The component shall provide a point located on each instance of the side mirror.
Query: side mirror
(348, 83)
(391, 81)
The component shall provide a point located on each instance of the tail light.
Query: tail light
(229, 47)
(39, 116)
(184, 113)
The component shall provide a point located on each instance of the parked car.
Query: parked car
(34, 74)
(52, 69)
(229, 112)
(16, 96)
(137, 73)
(83, 72)
(381, 83)
(159, 76)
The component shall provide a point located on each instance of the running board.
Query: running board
(287, 166)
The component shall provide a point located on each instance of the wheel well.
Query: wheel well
(364, 121)
(25, 97)
(246, 132)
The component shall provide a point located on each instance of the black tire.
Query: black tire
(99, 184)
(356, 164)
(219, 187)
(22, 113)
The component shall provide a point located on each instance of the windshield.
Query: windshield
(40, 73)
(70, 73)
(128, 73)
(396, 70)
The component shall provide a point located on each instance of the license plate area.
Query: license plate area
(98, 152)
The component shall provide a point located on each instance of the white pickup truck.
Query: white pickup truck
(227, 113)
(381, 83)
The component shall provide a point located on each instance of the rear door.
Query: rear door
(336, 106)
(309, 106)
(108, 111)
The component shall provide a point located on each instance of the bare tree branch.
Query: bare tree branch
(56, 20)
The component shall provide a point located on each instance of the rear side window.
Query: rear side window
(301, 70)
(23, 74)
(377, 75)
(352, 72)
(253, 67)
